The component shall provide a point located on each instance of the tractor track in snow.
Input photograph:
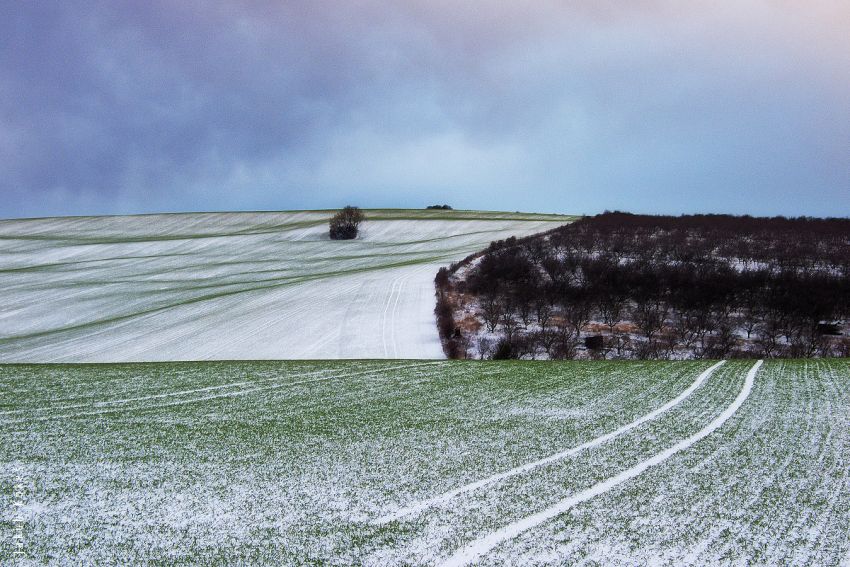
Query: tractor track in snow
(422, 505)
(384, 315)
(97, 404)
(211, 397)
(476, 549)
(390, 313)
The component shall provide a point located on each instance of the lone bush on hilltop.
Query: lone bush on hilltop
(345, 224)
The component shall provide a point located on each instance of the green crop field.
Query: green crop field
(414, 462)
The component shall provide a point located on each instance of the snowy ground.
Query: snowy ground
(232, 286)
(420, 462)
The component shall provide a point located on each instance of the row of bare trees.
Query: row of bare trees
(673, 287)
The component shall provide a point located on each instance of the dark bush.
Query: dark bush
(441, 280)
(345, 224)
(504, 350)
(445, 321)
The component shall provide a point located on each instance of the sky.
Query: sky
(565, 106)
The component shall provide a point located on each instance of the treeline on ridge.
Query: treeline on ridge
(619, 285)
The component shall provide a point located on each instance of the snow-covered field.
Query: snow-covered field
(235, 286)
(427, 462)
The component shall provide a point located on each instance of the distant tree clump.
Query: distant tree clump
(441, 207)
(345, 224)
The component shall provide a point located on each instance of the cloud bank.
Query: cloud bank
(576, 107)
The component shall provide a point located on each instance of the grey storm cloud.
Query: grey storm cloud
(567, 106)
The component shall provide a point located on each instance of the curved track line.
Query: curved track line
(404, 281)
(476, 549)
(417, 507)
(215, 396)
(97, 404)
(384, 315)
(394, 312)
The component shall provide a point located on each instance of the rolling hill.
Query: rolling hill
(235, 286)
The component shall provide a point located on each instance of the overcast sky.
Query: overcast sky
(564, 106)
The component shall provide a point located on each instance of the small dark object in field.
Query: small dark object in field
(830, 329)
(504, 351)
(344, 225)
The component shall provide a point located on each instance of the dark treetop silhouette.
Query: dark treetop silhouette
(345, 224)
(703, 286)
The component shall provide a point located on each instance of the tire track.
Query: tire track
(395, 312)
(158, 396)
(422, 505)
(414, 272)
(384, 315)
(216, 396)
(478, 548)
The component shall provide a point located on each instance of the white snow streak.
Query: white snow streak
(158, 396)
(222, 395)
(388, 318)
(481, 546)
(418, 507)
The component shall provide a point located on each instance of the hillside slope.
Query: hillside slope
(232, 285)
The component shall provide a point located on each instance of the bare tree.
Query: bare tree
(509, 322)
(492, 307)
(720, 344)
(611, 306)
(543, 312)
(649, 316)
(565, 343)
(769, 334)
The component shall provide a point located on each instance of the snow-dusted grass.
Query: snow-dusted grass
(480, 547)
(233, 285)
(417, 507)
(292, 462)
